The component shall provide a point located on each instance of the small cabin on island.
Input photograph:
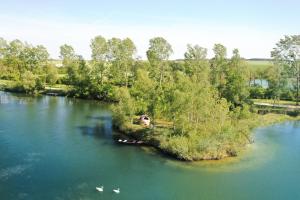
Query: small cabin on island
(144, 120)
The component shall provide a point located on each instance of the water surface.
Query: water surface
(55, 148)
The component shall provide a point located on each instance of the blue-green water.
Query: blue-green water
(57, 148)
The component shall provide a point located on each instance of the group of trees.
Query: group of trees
(26, 64)
(286, 57)
(203, 99)
(283, 75)
(111, 66)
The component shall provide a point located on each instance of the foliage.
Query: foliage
(199, 107)
(286, 56)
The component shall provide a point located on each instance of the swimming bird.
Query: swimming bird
(100, 189)
(116, 190)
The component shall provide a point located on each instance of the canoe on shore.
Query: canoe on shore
(125, 141)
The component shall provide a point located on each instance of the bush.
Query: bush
(257, 92)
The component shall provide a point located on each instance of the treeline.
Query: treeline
(27, 65)
(113, 65)
(204, 103)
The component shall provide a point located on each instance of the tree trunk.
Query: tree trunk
(161, 74)
(297, 100)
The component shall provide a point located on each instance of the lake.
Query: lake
(55, 148)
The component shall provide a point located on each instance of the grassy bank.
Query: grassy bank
(55, 90)
(161, 138)
(272, 101)
(257, 65)
(190, 147)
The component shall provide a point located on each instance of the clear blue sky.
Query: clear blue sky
(241, 24)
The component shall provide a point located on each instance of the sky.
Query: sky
(253, 27)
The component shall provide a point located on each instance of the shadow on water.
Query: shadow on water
(100, 131)
(101, 118)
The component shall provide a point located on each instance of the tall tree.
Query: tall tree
(67, 53)
(236, 90)
(158, 53)
(219, 67)
(128, 49)
(196, 63)
(286, 55)
(121, 56)
(3, 47)
(3, 68)
(100, 49)
(12, 58)
(34, 58)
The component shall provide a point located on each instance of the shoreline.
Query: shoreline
(138, 132)
(259, 122)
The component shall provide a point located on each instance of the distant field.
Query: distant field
(56, 62)
(259, 64)
(254, 64)
(271, 101)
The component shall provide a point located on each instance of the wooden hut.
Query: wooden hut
(144, 120)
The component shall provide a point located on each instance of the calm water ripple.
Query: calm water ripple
(55, 148)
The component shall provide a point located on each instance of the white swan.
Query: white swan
(100, 189)
(116, 190)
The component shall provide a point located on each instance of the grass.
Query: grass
(57, 87)
(259, 64)
(271, 118)
(5, 83)
(180, 147)
(271, 101)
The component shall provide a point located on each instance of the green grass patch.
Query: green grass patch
(259, 64)
(6, 82)
(58, 87)
(271, 101)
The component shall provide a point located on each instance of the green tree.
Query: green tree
(218, 67)
(286, 55)
(121, 56)
(277, 81)
(236, 90)
(3, 47)
(158, 53)
(34, 58)
(51, 74)
(124, 111)
(143, 90)
(100, 50)
(196, 62)
(67, 53)
(3, 68)
(12, 59)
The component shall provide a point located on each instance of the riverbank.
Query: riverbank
(190, 147)
(154, 137)
(53, 90)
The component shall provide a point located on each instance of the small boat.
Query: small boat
(99, 189)
(130, 141)
(116, 190)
